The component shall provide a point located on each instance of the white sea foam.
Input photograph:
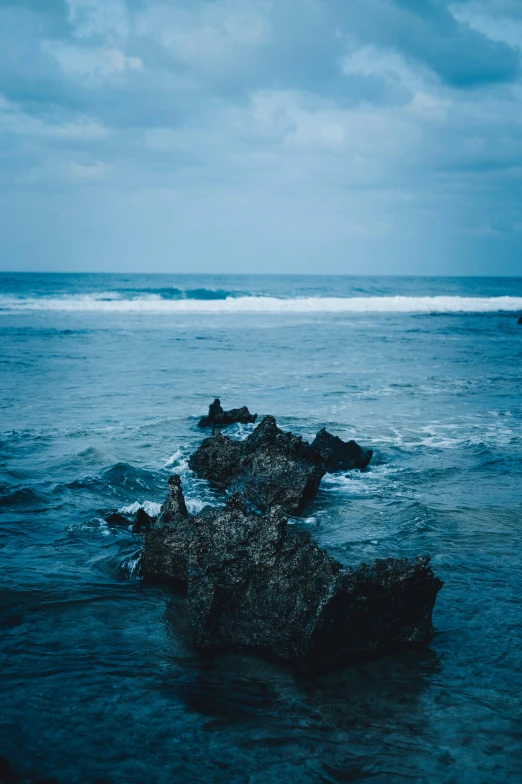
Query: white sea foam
(195, 505)
(112, 302)
(151, 507)
(178, 461)
(131, 565)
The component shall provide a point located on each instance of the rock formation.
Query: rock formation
(217, 417)
(253, 582)
(273, 468)
(270, 468)
(166, 550)
(338, 455)
(142, 520)
(115, 518)
(520, 320)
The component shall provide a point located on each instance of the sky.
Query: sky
(277, 136)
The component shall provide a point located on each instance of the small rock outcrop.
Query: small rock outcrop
(273, 468)
(166, 548)
(115, 518)
(253, 582)
(217, 417)
(520, 320)
(142, 522)
(269, 468)
(338, 455)
(218, 459)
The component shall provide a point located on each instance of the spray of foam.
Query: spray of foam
(399, 304)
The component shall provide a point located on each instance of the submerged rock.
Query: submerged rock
(338, 455)
(253, 582)
(520, 320)
(270, 468)
(217, 417)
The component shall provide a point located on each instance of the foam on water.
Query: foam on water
(131, 565)
(358, 483)
(178, 461)
(113, 302)
(456, 435)
(151, 507)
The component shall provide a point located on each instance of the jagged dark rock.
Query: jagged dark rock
(253, 582)
(115, 518)
(165, 552)
(142, 522)
(338, 455)
(270, 468)
(277, 469)
(273, 468)
(218, 459)
(520, 320)
(217, 417)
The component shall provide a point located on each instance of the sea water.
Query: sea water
(103, 380)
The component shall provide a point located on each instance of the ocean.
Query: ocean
(103, 380)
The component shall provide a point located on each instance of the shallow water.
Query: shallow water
(99, 404)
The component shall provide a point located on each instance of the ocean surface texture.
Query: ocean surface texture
(103, 380)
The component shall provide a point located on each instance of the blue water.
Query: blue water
(102, 384)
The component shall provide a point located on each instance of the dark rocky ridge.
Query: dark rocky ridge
(273, 468)
(217, 417)
(520, 320)
(252, 582)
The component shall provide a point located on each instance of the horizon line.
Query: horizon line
(259, 274)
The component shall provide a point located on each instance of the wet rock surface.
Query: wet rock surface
(253, 582)
(272, 468)
(166, 548)
(277, 469)
(520, 320)
(142, 522)
(115, 518)
(338, 455)
(217, 417)
(218, 459)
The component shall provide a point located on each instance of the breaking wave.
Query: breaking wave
(206, 301)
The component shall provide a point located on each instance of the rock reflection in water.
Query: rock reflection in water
(263, 717)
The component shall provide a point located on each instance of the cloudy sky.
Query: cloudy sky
(335, 136)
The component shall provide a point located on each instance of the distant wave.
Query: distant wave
(177, 294)
(153, 303)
